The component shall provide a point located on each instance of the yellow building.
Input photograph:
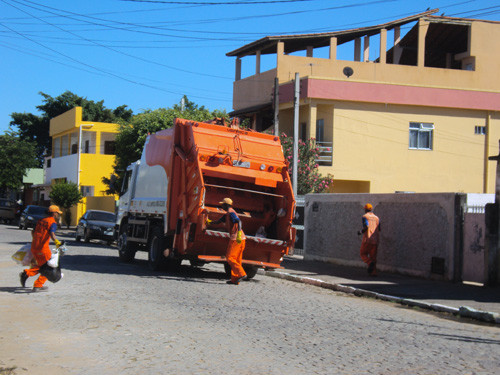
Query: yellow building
(422, 116)
(83, 152)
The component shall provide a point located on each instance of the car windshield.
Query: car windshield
(37, 210)
(101, 216)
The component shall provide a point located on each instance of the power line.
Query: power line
(114, 50)
(104, 71)
(244, 2)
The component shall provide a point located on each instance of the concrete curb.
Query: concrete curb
(462, 311)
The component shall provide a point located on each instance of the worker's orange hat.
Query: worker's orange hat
(368, 206)
(55, 208)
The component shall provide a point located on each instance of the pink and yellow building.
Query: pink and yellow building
(421, 116)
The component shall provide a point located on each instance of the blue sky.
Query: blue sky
(147, 54)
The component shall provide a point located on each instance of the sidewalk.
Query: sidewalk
(476, 302)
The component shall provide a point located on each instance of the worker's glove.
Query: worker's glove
(238, 236)
(57, 242)
(208, 222)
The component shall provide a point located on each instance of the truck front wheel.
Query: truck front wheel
(156, 259)
(126, 250)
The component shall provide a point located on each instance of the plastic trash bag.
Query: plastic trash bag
(54, 261)
(23, 256)
(52, 269)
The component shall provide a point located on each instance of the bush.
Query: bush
(309, 178)
(65, 195)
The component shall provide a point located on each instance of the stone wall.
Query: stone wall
(420, 233)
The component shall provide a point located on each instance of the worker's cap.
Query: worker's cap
(55, 208)
(227, 201)
(368, 207)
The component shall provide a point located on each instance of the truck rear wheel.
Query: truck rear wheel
(126, 249)
(156, 259)
(251, 271)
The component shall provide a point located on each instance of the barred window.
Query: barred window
(421, 135)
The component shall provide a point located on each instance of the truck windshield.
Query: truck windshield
(126, 180)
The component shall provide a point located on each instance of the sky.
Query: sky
(148, 54)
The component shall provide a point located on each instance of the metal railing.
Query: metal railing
(325, 156)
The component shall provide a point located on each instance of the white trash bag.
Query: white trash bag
(23, 256)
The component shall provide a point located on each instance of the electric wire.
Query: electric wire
(107, 72)
(121, 52)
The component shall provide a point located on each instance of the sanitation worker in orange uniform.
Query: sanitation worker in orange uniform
(234, 253)
(44, 231)
(369, 243)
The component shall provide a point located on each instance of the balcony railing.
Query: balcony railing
(325, 156)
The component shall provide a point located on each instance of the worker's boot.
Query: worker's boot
(22, 278)
(371, 267)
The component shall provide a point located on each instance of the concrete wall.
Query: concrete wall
(421, 233)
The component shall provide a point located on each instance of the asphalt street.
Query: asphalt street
(106, 317)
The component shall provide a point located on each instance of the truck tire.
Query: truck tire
(126, 250)
(251, 271)
(156, 259)
(196, 263)
(227, 269)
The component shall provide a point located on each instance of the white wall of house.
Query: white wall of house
(64, 167)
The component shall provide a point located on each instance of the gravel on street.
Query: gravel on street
(107, 317)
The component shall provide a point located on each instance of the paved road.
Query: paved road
(106, 317)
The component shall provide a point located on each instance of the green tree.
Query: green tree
(16, 156)
(132, 136)
(36, 128)
(65, 195)
(309, 178)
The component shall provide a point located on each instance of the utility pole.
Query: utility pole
(296, 101)
(492, 245)
(276, 107)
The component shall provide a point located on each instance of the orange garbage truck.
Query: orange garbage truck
(183, 174)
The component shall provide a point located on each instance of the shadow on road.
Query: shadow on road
(111, 265)
(392, 284)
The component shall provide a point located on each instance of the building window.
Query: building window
(87, 191)
(56, 151)
(73, 141)
(109, 147)
(320, 130)
(421, 135)
(303, 131)
(481, 130)
(64, 145)
(49, 163)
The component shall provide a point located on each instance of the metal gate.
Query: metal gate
(474, 233)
